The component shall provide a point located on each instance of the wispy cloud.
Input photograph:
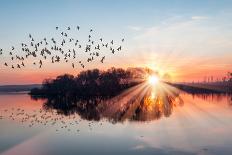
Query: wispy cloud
(181, 43)
(199, 17)
(134, 28)
(138, 147)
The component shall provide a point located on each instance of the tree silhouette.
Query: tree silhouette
(86, 84)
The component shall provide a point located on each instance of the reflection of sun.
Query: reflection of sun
(153, 79)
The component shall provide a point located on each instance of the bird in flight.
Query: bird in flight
(103, 58)
(58, 50)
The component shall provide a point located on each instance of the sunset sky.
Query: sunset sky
(187, 39)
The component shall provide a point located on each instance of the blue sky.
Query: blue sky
(164, 34)
(19, 17)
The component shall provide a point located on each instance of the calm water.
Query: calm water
(188, 124)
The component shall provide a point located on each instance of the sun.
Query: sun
(153, 79)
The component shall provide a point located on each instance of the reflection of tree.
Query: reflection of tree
(230, 100)
(214, 97)
(138, 103)
(151, 107)
(87, 109)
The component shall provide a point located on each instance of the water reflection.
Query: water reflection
(218, 97)
(57, 128)
(140, 103)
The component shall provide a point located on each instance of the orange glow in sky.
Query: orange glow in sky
(185, 42)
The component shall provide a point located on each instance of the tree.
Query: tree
(86, 84)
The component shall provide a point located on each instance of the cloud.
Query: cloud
(199, 17)
(189, 36)
(138, 147)
(134, 28)
(178, 44)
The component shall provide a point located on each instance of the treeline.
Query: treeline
(87, 84)
(201, 88)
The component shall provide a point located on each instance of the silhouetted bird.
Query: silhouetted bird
(103, 58)
(120, 48)
(40, 62)
(40, 49)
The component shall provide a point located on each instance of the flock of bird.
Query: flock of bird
(65, 48)
(45, 118)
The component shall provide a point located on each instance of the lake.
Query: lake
(191, 124)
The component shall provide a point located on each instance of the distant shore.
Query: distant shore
(214, 87)
(18, 88)
(187, 87)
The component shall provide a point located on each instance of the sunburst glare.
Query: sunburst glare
(153, 80)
